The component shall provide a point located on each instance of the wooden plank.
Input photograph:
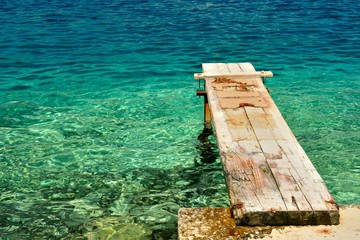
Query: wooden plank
(249, 165)
(240, 184)
(289, 190)
(303, 167)
(234, 103)
(280, 165)
(209, 68)
(269, 177)
(292, 192)
(239, 124)
(266, 130)
(222, 132)
(234, 167)
(235, 68)
(246, 179)
(257, 118)
(235, 94)
(247, 67)
(222, 68)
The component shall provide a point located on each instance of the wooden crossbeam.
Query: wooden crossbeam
(267, 74)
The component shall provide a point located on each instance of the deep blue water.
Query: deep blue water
(99, 119)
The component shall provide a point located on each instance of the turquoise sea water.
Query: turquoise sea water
(99, 121)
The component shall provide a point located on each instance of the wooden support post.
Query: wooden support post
(207, 114)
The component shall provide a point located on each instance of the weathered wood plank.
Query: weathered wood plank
(234, 68)
(245, 179)
(265, 185)
(257, 118)
(239, 124)
(269, 177)
(288, 187)
(223, 134)
(209, 68)
(303, 166)
(235, 94)
(259, 174)
(247, 67)
(234, 168)
(234, 103)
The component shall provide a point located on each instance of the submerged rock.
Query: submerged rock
(110, 229)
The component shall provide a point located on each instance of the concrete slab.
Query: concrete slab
(217, 224)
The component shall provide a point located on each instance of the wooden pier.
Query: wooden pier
(270, 180)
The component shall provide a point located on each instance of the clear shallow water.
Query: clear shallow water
(99, 119)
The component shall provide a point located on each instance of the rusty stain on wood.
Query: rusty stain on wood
(223, 80)
(246, 105)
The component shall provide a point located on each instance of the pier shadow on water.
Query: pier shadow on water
(207, 152)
